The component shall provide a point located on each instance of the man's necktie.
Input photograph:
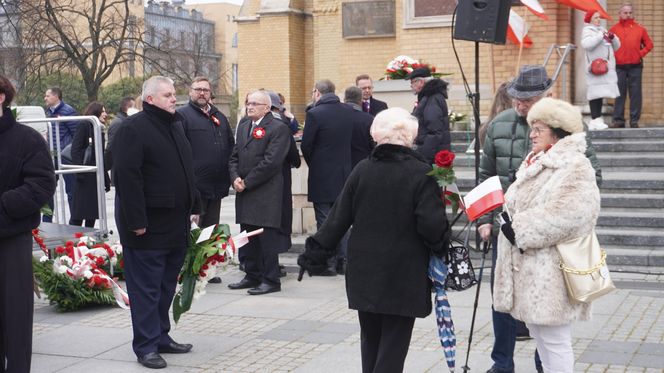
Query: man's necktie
(365, 106)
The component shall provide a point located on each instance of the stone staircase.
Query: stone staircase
(631, 222)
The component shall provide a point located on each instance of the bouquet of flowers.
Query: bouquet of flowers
(77, 274)
(443, 172)
(456, 116)
(210, 250)
(401, 66)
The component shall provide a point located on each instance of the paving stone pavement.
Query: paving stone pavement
(307, 327)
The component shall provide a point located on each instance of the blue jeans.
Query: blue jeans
(321, 212)
(505, 329)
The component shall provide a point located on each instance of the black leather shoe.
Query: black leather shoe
(243, 284)
(152, 360)
(264, 289)
(215, 280)
(496, 370)
(175, 348)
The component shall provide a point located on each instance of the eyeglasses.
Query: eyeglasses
(538, 130)
(255, 104)
(201, 90)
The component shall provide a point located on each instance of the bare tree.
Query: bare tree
(90, 37)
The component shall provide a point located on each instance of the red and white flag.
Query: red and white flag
(536, 8)
(517, 30)
(586, 5)
(484, 198)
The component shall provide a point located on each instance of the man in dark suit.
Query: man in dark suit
(369, 104)
(155, 195)
(256, 167)
(361, 143)
(326, 144)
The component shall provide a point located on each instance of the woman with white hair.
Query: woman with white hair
(554, 199)
(398, 221)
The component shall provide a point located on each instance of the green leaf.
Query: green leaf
(46, 210)
(184, 297)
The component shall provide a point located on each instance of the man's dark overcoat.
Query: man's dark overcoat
(361, 143)
(154, 180)
(259, 162)
(326, 140)
(211, 144)
(376, 106)
(398, 220)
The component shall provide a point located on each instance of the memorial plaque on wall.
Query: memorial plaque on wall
(368, 19)
(428, 8)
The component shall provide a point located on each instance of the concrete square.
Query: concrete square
(651, 349)
(80, 341)
(324, 337)
(602, 357)
(42, 363)
(338, 327)
(306, 325)
(93, 365)
(612, 346)
(284, 335)
(648, 361)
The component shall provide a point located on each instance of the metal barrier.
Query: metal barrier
(60, 199)
(563, 52)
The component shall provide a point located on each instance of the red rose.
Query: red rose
(444, 159)
(60, 250)
(78, 234)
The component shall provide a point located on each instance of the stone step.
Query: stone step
(631, 218)
(631, 237)
(653, 201)
(628, 145)
(624, 133)
(619, 256)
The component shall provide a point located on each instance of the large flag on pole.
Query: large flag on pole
(536, 8)
(484, 198)
(517, 30)
(586, 5)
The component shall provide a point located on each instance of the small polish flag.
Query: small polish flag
(517, 30)
(535, 7)
(484, 198)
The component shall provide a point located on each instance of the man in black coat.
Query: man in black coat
(326, 147)
(361, 143)
(28, 181)
(125, 104)
(369, 103)
(433, 134)
(155, 195)
(256, 167)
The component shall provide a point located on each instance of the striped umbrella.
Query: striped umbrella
(437, 274)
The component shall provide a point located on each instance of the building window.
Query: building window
(428, 13)
(234, 43)
(235, 76)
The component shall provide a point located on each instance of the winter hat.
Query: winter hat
(589, 15)
(531, 82)
(420, 72)
(556, 114)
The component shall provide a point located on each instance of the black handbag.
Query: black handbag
(460, 272)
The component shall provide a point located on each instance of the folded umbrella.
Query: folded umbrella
(437, 274)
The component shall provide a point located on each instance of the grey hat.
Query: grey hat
(531, 82)
(276, 101)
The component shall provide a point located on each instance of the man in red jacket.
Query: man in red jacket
(635, 43)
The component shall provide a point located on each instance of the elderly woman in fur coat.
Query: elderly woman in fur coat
(554, 199)
(599, 43)
(398, 221)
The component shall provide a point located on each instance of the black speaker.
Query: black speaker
(482, 20)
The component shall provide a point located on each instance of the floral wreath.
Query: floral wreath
(258, 133)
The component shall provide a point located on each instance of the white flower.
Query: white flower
(66, 261)
(114, 261)
(62, 269)
(87, 274)
(86, 240)
(463, 268)
(43, 259)
(117, 248)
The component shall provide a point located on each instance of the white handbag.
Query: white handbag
(583, 263)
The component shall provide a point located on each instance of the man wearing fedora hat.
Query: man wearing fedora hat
(433, 133)
(506, 144)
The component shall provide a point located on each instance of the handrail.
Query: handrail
(562, 62)
(75, 169)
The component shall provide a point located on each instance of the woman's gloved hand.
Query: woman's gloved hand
(506, 227)
(313, 259)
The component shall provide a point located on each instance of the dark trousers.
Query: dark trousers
(596, 107)
(16, 303)
(261, 255)
(505, 329)
(89, 223)
(629, 79)
(384, 341)
(151, 277)
(210, 209)
(321, 212)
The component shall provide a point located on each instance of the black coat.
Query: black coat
(376, 106)
(398, 220)
(211, 145)
(84, 204)
(111, 131)
(154, 180)
(260, 163)
(433, 133)
(27, 178)
(361, 143)
(326, 140)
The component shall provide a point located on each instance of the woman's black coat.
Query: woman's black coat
(433, 134)
(27, 179)
(398, 220)
(84, 205)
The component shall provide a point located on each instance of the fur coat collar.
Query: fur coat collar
(554, 199)
(433, 87)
